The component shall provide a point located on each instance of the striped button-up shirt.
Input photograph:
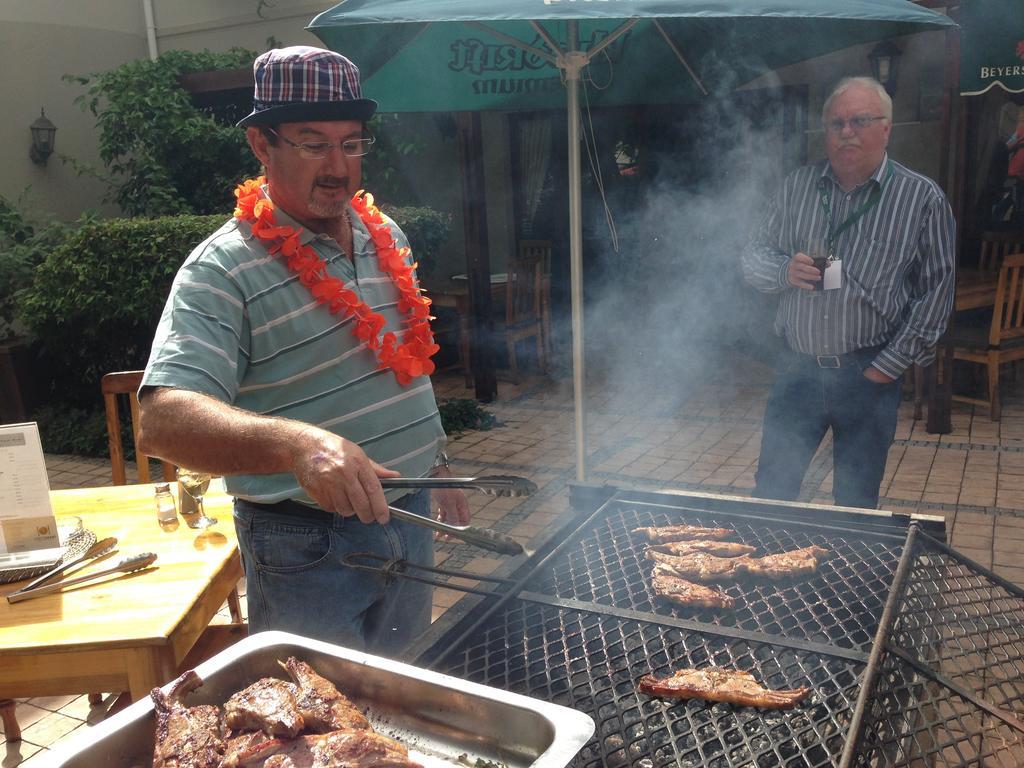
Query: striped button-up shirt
(239, 326)
(897, 264)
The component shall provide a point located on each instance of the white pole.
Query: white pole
(147, 9)
(574, 62)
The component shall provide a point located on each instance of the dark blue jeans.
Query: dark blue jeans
(296, 579)
(805, 402)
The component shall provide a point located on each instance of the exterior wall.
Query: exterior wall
(40, 41)
(196, 25)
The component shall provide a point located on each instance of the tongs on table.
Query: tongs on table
(102, 548)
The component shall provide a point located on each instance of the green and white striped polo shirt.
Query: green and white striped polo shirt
(240, 327)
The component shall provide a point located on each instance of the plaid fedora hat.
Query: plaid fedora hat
(300, 84)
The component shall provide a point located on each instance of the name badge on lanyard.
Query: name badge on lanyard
(832, 275)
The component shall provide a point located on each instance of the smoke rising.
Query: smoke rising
(665, 310)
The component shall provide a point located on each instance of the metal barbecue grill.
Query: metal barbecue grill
(915, 654)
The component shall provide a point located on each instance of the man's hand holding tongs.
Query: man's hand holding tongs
(450, 504)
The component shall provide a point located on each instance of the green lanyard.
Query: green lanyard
(825, 196)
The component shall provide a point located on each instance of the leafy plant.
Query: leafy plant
(461, 414)
(77, 431)
(23, 246)
(165, 155)
(96, 298)
(382, 168)
(427, 231)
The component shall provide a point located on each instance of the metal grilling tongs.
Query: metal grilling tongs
(485, 538)
(492, 485)
(128, 565)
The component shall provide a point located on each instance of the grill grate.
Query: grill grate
(592, 662)
(915, 654)
(840, 605)
(952, 687)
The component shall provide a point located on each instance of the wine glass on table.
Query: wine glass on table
(195, 484)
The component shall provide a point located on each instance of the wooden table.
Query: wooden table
(131, 633)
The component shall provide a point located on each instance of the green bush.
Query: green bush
(166, 156)
(460, 414)
(23, 246)
(96, 298)
(427, 231)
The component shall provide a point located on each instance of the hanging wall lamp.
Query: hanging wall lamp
(885, 59)
(43, 136)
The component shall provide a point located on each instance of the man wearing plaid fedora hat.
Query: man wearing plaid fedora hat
(291, 359)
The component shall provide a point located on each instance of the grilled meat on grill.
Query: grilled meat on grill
(728, 685)
(681, 533)
(268, 705)
(683, 592)
(720, 548)
(698, 566)
(797, 562)
(339, 749)
(186, 737)
(322, 706)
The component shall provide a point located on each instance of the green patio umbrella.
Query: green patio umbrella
(452, 55)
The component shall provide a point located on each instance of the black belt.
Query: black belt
(855, 358)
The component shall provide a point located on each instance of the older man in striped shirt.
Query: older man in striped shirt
(288, 360)
(875, 303)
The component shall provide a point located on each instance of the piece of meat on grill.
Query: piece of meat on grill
(360, 748)
(720, 548)
(661, 534)
(268, 705)
(699, 566)
(687, 593)
(323, 707)
(797, 562)
(727, 685)
(186, 737)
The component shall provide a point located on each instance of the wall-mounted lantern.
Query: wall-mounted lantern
(43, 138)
(885, 59)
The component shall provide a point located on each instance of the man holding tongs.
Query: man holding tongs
(292, 357)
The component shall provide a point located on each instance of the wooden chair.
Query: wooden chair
(1003, 340)
(996, 246)
(125, 383)
(128, 383)
(524, 304)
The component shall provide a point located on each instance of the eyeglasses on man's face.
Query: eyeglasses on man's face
(858, 123)
(318, 150)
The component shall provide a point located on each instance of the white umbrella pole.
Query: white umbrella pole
(574, 62)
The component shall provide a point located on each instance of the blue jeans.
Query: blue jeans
(805, 402)
(296, 580)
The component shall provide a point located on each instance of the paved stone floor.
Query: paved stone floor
(654, 436)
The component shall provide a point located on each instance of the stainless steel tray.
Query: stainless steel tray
(437, 716)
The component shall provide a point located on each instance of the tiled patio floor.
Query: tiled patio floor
(660, 437)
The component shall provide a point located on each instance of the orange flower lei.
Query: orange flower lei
(408, 359)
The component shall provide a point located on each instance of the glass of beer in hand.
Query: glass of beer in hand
(195, 484)
(819, 255)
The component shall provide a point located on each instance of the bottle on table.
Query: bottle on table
(166, 513)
